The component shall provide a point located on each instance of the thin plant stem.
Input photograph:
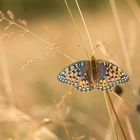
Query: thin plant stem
(26, 30)
(65, 55)
(123, 43)
(62, 100)
(86, 29)
(65, 127)
(74, 22)
(110, 115)
(129, 126)
(37, 36)
(125, 102)
(50, 44)
(58, 111)
(122, 130)
(135, 9)
(6, 75)
(109, 132)
(121, 36)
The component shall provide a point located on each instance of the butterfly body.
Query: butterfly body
(87, 75)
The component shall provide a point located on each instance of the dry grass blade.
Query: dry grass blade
(129, 126)
(125, 102)
(111, 118)
(122, 130)
(43, 54)
(76, 27)
(118, 104)
(132, 38)
(24, 28)
(85, 26)
(1, 14)
(109, 132)
(135, 9)
(6, 75)
(121, 36)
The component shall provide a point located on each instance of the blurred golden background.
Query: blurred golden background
(37, 40)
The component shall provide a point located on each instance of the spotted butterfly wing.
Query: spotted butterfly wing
(76, 75)
(110, 76)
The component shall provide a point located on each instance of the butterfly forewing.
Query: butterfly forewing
(76, 75)
(110, 76)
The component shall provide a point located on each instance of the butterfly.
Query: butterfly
(87, 75)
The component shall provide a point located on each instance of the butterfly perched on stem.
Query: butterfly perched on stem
(87, 75)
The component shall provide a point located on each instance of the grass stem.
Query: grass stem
(122, 130)
(87, 32)
(74, 22)
(121, 36)
(111, 119)
(6, 75)
(38, 37)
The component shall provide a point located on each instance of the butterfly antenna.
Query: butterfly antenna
(86, 29)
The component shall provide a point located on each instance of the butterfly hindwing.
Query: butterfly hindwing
(85, 84)
(76, 75)
(110, 76)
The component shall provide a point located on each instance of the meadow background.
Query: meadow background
(33, 105)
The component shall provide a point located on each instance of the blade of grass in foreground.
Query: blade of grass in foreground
(121, 36)
(84, 23)
(74, 22)
(120, 125)
(111, 119)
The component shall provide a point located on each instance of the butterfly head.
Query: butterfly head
(93, 58)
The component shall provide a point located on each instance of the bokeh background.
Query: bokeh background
(33, 105)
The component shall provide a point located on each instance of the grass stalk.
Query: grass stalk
(74, 22)
(111, 118)
(121, 36)
(65, 55)
(135, 9)
(129, 126)
(6, 75)
(86, 29)
(125, 102)
(24, 28)
(120, 125)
